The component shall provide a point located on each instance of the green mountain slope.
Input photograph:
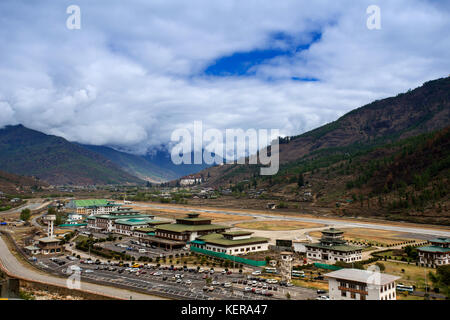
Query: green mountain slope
(421, 110)
(135, 165)
(53, 159)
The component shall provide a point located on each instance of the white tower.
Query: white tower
(50, 220)
(286, 266)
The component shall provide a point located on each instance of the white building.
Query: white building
(435, 255)
(332, 248)
(356, 284)
(190, 180)
(93, 206)
(233, 242)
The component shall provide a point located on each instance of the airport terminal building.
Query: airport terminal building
(332, 248)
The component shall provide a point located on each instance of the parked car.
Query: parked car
(321, 291)
(256, 273)
(227, 284)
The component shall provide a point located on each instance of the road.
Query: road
(327, 221)
(31, 204)
(15, 268)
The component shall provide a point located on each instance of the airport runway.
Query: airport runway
(328, 221)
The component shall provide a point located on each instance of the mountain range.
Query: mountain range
(389, 158)
(53, 159)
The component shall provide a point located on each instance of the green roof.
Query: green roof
(237, 233)
(440, 240)
(133, 221)
(332, 230)
(178, 227)
(90, 202)
(217, 238)
(344, 247)
(433, 249)
(124, 211)
(124, 216)
(146, 230)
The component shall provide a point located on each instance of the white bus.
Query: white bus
(401, 287)
(270, 270)
(298, 273)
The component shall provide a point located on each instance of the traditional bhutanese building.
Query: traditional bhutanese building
(233, 243)
(188, 228)
(332, 248)
(129, 219)
(436, 254)
(92, 206)
(356, 284)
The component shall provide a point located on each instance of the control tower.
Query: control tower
(50, 221)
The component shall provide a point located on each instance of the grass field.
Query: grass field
(373, 236)
(277, 225)
(412, 274)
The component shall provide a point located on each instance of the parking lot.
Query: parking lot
(131, 247)
(182, 283)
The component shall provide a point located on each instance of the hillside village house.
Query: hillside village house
(233, 242)
(190, 180)
(92, 206)
(356, 284)
(332, 248)
(436, 254)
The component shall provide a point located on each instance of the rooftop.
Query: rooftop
(433, 249)
(185, 227)
(441, 240)
(48, 240)
(363, 276)
(332, 230)
(133, 221)
(237, 233)
(91, 202)
(343, 247)
(217, 238)
(123, 216)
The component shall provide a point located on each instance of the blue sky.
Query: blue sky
(137, 70)
(242, 63)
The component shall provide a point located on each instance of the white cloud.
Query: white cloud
(133, 73)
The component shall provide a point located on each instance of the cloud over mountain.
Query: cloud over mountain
(137, 70)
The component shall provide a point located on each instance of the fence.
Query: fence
(326, 266)
(235, 259)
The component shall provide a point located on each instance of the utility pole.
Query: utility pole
(426, 286)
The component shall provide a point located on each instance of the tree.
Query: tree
(442, 278)
(300, 181)
(25, 215)
(381, 266)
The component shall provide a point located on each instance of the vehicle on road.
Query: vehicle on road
(256, 273)
(401, 287)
